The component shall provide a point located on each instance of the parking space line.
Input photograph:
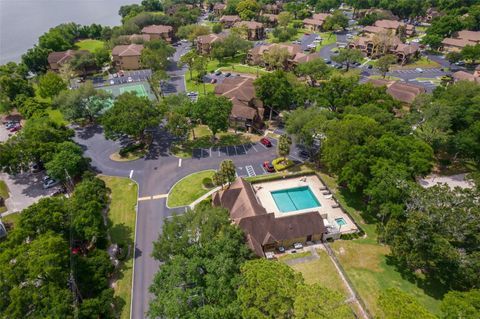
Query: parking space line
(219, 151)
(244, 149)
(264, 146)
(210, 152)
(235, 148)
(263, 169)
(253, 146)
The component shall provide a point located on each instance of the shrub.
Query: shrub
(281, 164)
(207, 182)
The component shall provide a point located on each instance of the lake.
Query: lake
(23, 21)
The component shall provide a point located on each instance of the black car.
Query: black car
(228, 74)
(218, 73)
(370, 66)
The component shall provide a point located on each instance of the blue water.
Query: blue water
(340, 221)
(297, 198)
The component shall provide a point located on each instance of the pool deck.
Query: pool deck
(327, 209)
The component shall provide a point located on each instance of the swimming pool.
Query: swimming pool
(298, 198)
(340, 221)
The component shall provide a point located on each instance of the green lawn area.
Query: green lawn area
(3, 194)
(388, 78)
(328, 38)
(321, 271)
(188, 189)
(203, 140)
(121, 216)
(286, 257)
(432, 80)
(422, 62)
(89, 45)
(367, 263)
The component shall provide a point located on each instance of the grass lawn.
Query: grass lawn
(188, 189)
(388, 78)
(3, 194)
(132, 156)
(89, 45)
(286, 257)
(321, 271)
(422, 62)
(367, 263)
(368, 267)
(328, 38)
(203, 140)
(432, 80)
(121, 217)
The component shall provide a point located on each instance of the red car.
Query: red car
(268, 167)
(265, 141)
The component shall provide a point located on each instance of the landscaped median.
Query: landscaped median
(4, 195)
(121, 223)
(189, 189)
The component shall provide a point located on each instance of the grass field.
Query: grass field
(89, 45)
(321, 271)
(141, 88)
(368, 264)
(387, 78)
(3, 194)
(286, 257)
(188, 189)
(121, 216)
(328, 38)
(422, 62)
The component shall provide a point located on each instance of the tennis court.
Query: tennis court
(141, 88)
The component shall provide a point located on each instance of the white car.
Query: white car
(420, 70)
(112, 82)
(297, 246)
(129, 79)
(50, 182)
(319, 38)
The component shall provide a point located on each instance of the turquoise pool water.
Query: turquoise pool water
(340, 221)
(292, 199)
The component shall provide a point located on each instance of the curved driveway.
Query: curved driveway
(155, 175)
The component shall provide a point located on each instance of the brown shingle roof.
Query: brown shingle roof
(128, 50)
(233, 18)
(321, 16)
(271, 17)
(404, 92)
(219, 6)
(266, 229)
(136, 37)
(406, 48)
(373, 29)
(388, 24)
(303, 58)
(63, 56)
(465, 76)
(157, 29)
(292, 49)
(457, 42)
(210, 38)
(313, 22)
(473, 36)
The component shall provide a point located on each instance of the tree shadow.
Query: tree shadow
(431, 287)
(121, 234)
(357, 202)
(87, 132)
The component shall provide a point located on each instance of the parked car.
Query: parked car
(297, 246)
(460, 63)
(218, 73)
(281, 249)
(267, 165)
(327, 61)
(129, 79)
(265, 141)
(49, 183)
(121, 73)
(192, 93)
(370, 66)
(37, 167)
(112, 82)
(213, 81)
(227, 74)
(15, 128)
(420, 70)
(304, 154)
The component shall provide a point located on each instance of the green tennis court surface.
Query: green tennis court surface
(139, 88)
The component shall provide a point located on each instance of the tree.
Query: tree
(454, 57)
(82, 62)
(131, 115)
(189, 60)
(248, 9)
(284, 18)
(316, 70)
(383, 63)
(67, 159)
(83, 103)
(461, 304)
(315, 301)
(335, 93)
(33, 107)
(102, 56)
(274, 89)
(152, 5)
(217, 28)
(48, 214)
(396, 304)
(231, 46)
(155, 55)
(348, 56)
(276, 58)
(471, 52)
(199, 274)
(268, 289)
(192, 31)
(283, 146)
(227, 171)
(36, 59)
(50, 84)
(214, 111)
(336, 21)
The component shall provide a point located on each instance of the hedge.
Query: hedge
(282, 163)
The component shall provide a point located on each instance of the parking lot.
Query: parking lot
(236, 150)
